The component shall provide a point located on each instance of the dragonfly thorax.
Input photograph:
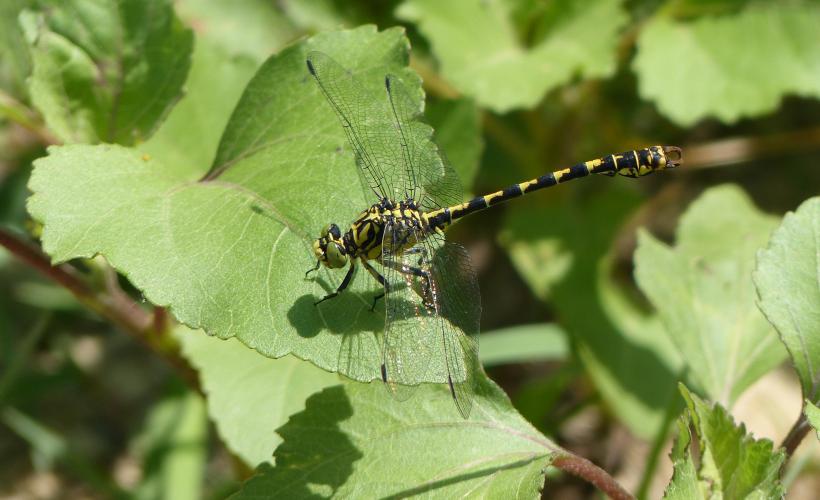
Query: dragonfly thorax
(364, 238)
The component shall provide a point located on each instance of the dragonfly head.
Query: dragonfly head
(654, 159)
(330, 248)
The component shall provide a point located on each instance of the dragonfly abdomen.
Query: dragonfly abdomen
(636, 163)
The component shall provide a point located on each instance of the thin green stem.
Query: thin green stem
(17, 112)
(671, 411)
(22, 353)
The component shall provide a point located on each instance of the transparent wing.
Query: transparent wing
(408, 329)
(427, 176)
(433, 315)
(459, 302)
(359, 356)
(367, 122)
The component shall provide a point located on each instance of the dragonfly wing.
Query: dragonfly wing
(409, 322)
(367, 123)
(359, 356)
(459, 304)
(433, 316)
(427, 175)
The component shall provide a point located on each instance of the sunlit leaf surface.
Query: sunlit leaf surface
(106, 71)
(721, 460)
(352, 442)
(702, 288)
(485, 58)
(788, 287)
(732, 66)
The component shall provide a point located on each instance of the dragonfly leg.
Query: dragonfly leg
(342, 286)
(379, 278)
(418, 272)
(418, 250)
(314, 268)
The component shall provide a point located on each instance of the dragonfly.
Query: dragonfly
(429, 287)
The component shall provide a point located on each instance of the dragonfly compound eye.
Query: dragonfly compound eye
(335, 255)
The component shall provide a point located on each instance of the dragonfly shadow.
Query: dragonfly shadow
(344, 314)
(310, 468)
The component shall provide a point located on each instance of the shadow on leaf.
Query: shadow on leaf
(316, 456)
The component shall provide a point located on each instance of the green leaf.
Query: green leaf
(352, 442)
(788, 288)
(229, 253)
(249, 395)
(458, 132)
(15, 64)
(733, 66)
(481, 53)
(813, 415)
(174, 446)
(188, 138)
(253, 28)
(521, 344)
(561, 249)
(725, 461)
(702, 289)
(328, 15)
(106, 71)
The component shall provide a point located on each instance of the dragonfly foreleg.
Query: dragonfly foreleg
(342, 286)
(314, 268)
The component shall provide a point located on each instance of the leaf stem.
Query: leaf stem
(152, 330)
(63, 275)
(796, 434)
(742, 149)
(583, 468)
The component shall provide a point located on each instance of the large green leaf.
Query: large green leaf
(14, 61)
(106, 71)
(724, 461)
(352, 442)
(561, 249)
(732, 66)
(702, 289)
(229, 253)
(481, 54)
(788, 286)
(249, 395)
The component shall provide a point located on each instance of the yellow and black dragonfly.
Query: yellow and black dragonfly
(432, 300)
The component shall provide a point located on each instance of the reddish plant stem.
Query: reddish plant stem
(32, 256)
(796, 434)
(119, 310)
(586, 470)
(152, 330)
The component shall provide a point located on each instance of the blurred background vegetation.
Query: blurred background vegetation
(515, 88)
